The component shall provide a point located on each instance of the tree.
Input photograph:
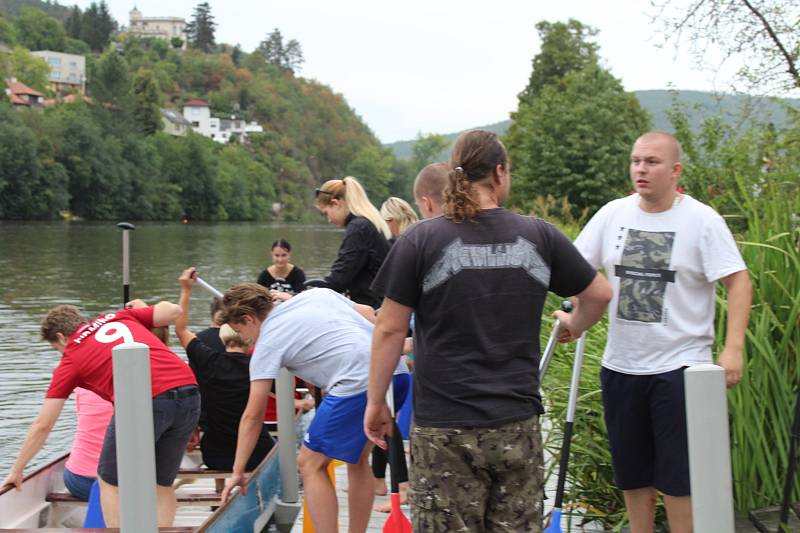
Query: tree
(565, 48)
(427, 149)
(74, 23)
(146, 100)
(110, 82)
(761, 34)
(97, 25)
(200, 31)
(37, 31)
(288, 56)
(7, 35)
(27, 68)
(574, 140)
(571, 134)
(372, 166)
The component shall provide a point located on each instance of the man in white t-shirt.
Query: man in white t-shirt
(663, 252)
(324, 339)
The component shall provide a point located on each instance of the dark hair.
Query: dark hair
(282, 243)
(475, 157)
(216, 310)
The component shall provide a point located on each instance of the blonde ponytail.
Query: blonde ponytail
(355, 198)
(358, 204)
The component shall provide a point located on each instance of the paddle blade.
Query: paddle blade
(396, 521)
(555, 522)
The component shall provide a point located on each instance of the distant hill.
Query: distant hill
(12, 8)
(736, 109)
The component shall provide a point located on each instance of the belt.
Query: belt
(180, 392)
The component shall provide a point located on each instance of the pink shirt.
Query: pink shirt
(94, 413)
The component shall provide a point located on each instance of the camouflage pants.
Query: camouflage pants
(477, 479)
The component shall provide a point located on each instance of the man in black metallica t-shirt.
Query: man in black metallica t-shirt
(477, 279)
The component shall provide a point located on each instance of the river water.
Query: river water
(45, 264)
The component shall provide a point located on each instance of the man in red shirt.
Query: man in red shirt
(86, 349)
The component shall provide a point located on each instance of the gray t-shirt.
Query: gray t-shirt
(320, 337)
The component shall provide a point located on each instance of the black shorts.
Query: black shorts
(175, 415)
(646, 422)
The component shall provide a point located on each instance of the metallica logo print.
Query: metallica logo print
(644, 274)
(458, 256)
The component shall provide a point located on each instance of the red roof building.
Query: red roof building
(22, 95)
(195, 102)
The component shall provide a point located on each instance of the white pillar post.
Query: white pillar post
(709, 449)
(136, 462)
(287, 438)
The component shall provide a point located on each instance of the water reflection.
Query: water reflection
(45, 264)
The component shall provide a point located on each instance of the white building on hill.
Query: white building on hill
(67, 71)
(198, 113)
(165, 28)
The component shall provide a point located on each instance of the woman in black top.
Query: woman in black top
(365, 243)
(282, 278)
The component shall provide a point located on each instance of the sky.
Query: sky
(442, 66)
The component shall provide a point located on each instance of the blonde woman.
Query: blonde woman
(365, 243)
(398, 215)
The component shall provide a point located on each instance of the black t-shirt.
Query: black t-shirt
(293, 283)
(210, 337)
(478, 289)
(224, 380)
(359, 258)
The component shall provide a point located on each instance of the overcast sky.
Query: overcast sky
(440, 66)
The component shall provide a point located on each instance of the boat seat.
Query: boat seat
(185, 499)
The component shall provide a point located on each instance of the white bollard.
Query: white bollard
(136, 462)
(709, 449)
(287, 440)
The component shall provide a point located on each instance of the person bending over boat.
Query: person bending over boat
(224, 380)
(282, 278)
(477, 279)
(86, 349)
(365, 242)
(324, 339)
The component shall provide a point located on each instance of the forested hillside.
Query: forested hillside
(105, 156)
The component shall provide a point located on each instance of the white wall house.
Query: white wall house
(198, 113)
(67, 71)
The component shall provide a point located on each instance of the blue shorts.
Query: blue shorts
(646, 421)
(175, 415)
(337, 430)
(78, 485)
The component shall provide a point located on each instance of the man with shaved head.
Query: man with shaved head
(663, 252)
(429, 188)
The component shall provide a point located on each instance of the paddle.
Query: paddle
(206, 286)
(555, 517)
(126, 227)
(396, 522)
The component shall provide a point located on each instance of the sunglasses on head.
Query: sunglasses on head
(319, 191)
